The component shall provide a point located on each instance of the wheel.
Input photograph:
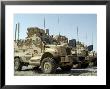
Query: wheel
(77, 66)
(48, 65)
(66, 68)
(17, 64)
(91, 64)
(36, 68)
(95, 63)
(84, 65)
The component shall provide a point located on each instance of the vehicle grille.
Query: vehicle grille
(68, 51)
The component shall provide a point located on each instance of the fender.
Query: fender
(48, 54)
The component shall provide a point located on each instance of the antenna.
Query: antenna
(58, 22)
(78, 42)
(92, 38)
(58, 19)
(44, 23)
(86, 38)
(18, 30)
(77, 34)
(15, 32)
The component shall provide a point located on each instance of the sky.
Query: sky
(65, 24)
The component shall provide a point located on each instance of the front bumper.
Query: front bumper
(67, 58)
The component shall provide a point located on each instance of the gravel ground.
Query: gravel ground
(29, 71)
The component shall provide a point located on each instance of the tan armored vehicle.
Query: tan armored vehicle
(52, 57)
(37, 52)
(84, 55)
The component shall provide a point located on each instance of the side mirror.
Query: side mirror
(72, 43)
(90, 47)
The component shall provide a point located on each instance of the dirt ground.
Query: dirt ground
(29, 71)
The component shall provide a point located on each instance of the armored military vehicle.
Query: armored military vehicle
(83, 53)
(37, 50)
(80, 53)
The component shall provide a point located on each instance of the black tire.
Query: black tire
(84, 65)
(91, 64)
(77, 66)
(95, 63)
(17, 64)
(66, 68)
(48, 65)
(36, 68)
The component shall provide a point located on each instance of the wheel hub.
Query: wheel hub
(16, 64)
(47, 66)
